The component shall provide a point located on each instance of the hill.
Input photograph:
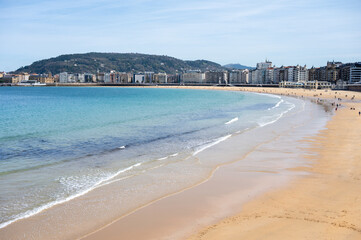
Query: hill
(237, 66)
(121, 62)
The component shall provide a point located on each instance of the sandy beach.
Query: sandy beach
(323, 205)
(269, 191)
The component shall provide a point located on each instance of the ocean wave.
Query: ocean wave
(204, 147)
(277, 104)
(164, 158)
(37, 210)
(232, 121)
(278, 116)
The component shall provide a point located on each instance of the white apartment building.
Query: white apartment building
(264, 65)
(290, 71)
(139, 78)
(107, 78)
(355, 74)
(300, 74)
(245, 76)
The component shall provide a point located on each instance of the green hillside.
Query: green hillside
(121, 62)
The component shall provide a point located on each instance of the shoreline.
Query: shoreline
(208, 179)
(203, 233)
(215, 198)
(323, 204)
(180, 230)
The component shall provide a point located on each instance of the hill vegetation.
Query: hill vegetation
(237, 66)
(121, 62)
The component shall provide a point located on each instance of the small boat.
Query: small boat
(31, 83)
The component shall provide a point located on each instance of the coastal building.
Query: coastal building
(290, 70)
(300, 74)
(264, 65)
(174, 78)
(269, 77)
(80, 77)
(280, 74)
(193, 77)
(148, 77)
(88, 77)
(314, 74)
(258, 75)
(42, 78)
(100, 77)
(351, 73)
(63, 77)
(317, 84)
(213, 77)
(245, 76)
(138, 78)
(8, 78)
(235, 77)
(160, 78)
(355, 74)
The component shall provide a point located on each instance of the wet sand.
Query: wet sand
(326, 204)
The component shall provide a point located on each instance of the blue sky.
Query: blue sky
(227, 31)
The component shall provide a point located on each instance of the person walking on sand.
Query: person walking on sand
(359, 113)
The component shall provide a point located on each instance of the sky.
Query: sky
(286, 32)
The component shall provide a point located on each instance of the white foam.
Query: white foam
(277, 105)
(278, 116)
(163, 158)
(204, 147)
(35, 211)
(122, 147)
(232, 121)
(173, 155)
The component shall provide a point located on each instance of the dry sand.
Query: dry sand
(323, 205)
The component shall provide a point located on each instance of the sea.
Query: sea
(60, 143)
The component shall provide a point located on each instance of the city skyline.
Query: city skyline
(307, 32)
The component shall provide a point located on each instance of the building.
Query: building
(88, 78)
(160, 78)
(213, 77)
(314, 74)
(300, 74)
(290, 71)
(264, 65)
(148, 77)
(235, 77)
(176, 78)
(317, 84)
(258, 75)
(193, 77)
(351, 73)
(8, 78)
(63, 77)
(107, 77)
(138, 78)
(269, 77)
(42, 78)
(245, 76)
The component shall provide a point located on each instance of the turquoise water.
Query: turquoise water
(57, 143)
